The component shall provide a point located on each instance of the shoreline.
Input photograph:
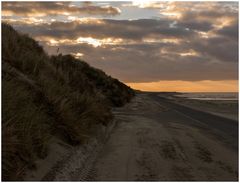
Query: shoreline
(223, 108)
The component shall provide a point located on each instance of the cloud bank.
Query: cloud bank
(41, 9)
(189, 41)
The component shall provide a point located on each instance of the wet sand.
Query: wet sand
(224, 108)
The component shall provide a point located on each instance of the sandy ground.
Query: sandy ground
(152, 142)
(228, 109)
(224, 108)
(65, 162)
(147, 141)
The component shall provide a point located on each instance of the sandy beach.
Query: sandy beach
(153, 139)
(153, 142)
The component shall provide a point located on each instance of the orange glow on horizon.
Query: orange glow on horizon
(188, 86)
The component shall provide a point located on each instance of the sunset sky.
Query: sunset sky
(154, 46)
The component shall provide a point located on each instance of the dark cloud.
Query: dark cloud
(230, 31)
(132, 66)
(126, 29)
(145, 62)
(56, 8)
(195, 25)
(201, 44)
(220, 48)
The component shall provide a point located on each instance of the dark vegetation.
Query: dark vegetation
(45, 96)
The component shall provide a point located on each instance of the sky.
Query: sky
(151, 46)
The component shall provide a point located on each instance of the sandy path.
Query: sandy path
(145, 147)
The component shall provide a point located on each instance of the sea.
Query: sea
(210, 95)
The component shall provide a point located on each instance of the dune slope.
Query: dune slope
(49, 96)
